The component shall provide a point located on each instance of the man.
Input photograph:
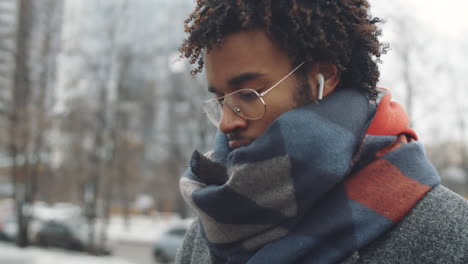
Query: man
(312, 163)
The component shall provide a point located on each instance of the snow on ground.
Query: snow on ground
(145, 229)
(33, 255)
(142, 230)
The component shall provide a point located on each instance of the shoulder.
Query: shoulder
(435, 231)
(194, 248)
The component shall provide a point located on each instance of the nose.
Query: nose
(230, 121)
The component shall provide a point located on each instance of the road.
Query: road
(10, 254)
(135, 252)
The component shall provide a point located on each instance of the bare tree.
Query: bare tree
(25, 107)
(18, 118)
(105, 68)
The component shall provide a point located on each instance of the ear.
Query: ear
(331, 78)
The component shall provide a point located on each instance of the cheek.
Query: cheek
(274, 112)
(281, 104)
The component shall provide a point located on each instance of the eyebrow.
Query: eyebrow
(238, 80)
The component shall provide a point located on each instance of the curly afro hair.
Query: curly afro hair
(339, 32)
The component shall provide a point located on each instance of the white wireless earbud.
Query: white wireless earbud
(321, 82)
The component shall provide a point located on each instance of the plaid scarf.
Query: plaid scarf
(322, 182)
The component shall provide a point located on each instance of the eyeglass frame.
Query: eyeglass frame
(260, 96)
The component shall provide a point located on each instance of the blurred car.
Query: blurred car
(59, 234)
(9, 229)
(3, 236)
(170, 240)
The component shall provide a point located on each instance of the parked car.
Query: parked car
(3, 235)
(58, 234)
(170, 240)
(9, 229)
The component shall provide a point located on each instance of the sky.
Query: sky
(446, 17)
(441, 69)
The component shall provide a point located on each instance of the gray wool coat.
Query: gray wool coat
(435, 231)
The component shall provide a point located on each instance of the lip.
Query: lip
(233, 144)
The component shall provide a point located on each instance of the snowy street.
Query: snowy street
(129, 245)
(134, 252)
(124, 253)
(33, 255)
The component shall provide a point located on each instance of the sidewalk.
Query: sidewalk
(9, 254)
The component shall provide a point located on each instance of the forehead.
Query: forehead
(246, 51)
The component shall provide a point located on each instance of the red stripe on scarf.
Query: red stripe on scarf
(384, 188)
(390, 119)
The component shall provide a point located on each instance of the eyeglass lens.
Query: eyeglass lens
(246, 103)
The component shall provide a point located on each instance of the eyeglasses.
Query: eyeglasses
(246, 103)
